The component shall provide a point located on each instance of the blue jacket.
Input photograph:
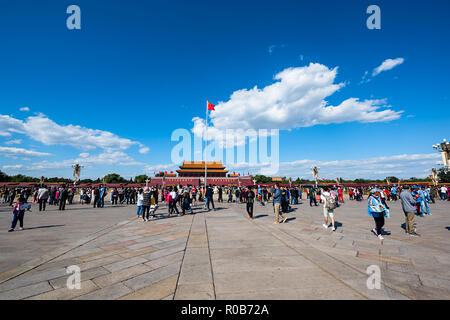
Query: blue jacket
(277, 196)
(374, 201)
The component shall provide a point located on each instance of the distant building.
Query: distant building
(277, 179)
(197, 169)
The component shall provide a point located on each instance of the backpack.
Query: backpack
(331, 202)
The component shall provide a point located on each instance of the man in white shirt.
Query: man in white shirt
(42, 197)
(443, 193)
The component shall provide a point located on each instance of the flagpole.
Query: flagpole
(206, 142)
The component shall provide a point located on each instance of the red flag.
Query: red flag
(210, 105)
(171, 171)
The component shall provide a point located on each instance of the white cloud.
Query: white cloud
(44, 130)
(17, 141)
(106, 158)
(144, 150)
(25, 109)
(296, 99)
(387, 64)
(10, 151)
(402, 166)
(15, 166)
(8, 125)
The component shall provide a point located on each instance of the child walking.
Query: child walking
(18, 213)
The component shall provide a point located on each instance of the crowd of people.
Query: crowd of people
(181, 200)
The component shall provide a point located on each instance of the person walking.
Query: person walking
(62, 197)
(250, 201)
(103, 193)
(186, 203)
(329, 204)
(312, 197)
(18, 213)
(230, 196)
(277, 205)
(146, 204)
(219, 191)
(377, 211)
(409, 209)
(139, 203)
(209, 198)
(42, 197)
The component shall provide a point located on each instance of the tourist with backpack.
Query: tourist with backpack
(378, 211)
(329, 204)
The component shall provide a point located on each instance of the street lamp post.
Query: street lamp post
(444, 149)
(315, 171)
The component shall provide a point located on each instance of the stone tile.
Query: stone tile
(63, 293)
(163, 252)
(25, 292)
(85, 275)
(118, 245)
(166, 260)
(156, 291)
(195, 274)
(171, 243)
(116, 266)
(109, 293)
(136, 253)
(122, 275)
(25, 280)
(152, 277)
(195, 291)
(142, 245)
(100, 262)
(102, 254)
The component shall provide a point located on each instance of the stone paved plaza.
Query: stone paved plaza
(222, 255)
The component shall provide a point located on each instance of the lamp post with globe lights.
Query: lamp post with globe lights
(444, 149)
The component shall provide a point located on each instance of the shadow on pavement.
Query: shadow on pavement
(45, 227)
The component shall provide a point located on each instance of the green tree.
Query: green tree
(444, 175)
(114, 178)
(4, 177)
(141, 178)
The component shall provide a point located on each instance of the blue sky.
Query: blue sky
(137, 70)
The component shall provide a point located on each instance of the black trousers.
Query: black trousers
(145, 209)
(62, 204)
(311, 200)
(220, 198)
(96, 201)
(173, 207)
(42, 203)
(379, 223)
(250, 209)
(114, 200)
(211, 201)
